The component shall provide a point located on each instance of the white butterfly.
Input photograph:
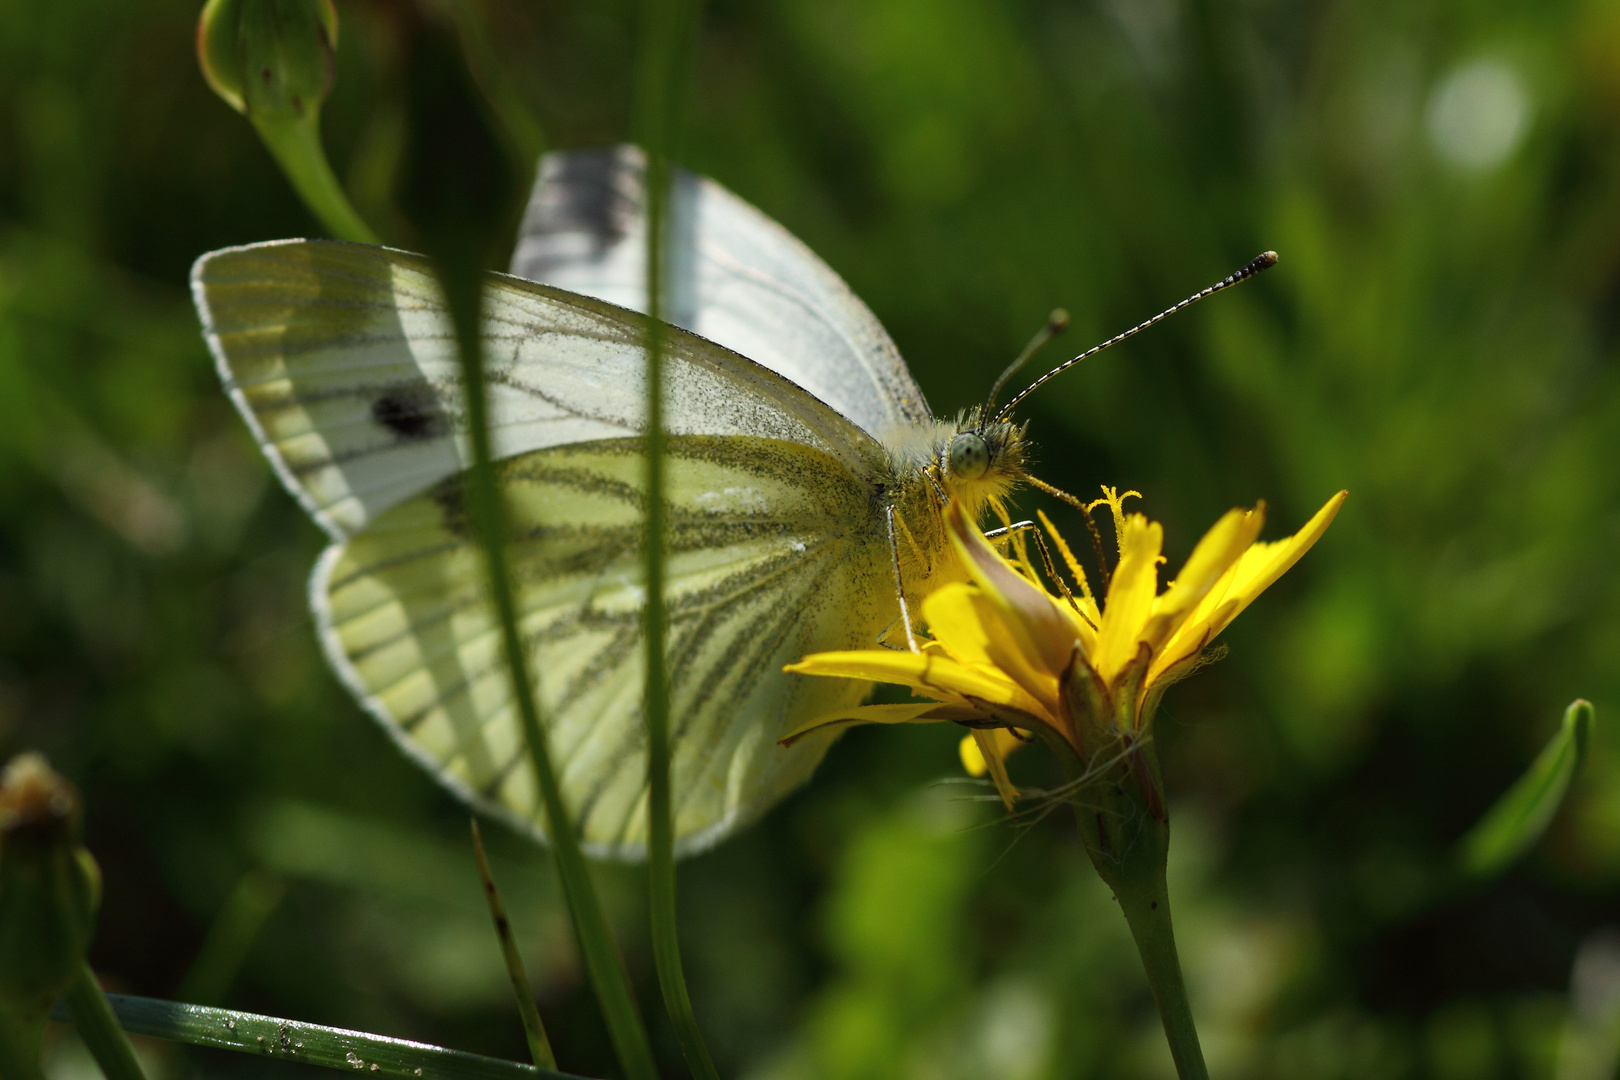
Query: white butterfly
(805, 475)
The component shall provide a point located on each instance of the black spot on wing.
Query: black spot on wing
(411, 413)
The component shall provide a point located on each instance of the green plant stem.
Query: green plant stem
(539, 1045)
(666, 28)
(1127, 834)
(464, 292)
(311, 1044)
(296, 146)
(1146, 905)
(99, 1028)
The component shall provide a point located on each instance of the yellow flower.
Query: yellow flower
(1009, 659)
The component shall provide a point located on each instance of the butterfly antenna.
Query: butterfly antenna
(1264, 261)
(1056, 323)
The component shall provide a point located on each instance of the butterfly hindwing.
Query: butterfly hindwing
(772, 555)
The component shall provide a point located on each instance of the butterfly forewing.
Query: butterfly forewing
(756, 578)
(342, 359)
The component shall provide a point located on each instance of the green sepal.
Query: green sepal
(268, 57)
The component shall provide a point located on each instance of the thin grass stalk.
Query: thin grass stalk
(602, 959)
(666, 27)
(534, 1031)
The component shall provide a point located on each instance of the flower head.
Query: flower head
(1010, 659)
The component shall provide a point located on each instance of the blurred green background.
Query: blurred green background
(1441, 337)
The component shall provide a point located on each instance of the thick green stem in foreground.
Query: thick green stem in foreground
(666, 28)
(99, 1028)
(296, 146)
(602, 960)
(1122, 822)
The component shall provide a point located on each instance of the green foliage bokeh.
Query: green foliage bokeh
(1441, 337)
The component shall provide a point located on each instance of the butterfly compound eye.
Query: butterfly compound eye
(970, 458)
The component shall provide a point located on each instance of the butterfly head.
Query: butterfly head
(983, 459)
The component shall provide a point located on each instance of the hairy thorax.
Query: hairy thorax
(923, 477)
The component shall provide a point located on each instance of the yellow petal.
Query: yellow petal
(973, 761)
(1130, 595)
(990, 753)
(1264, 564)
(1221, 547)
(954, 619)
(1036, 627)
(927, 712)
(1246, 579)
(974, 631)
(926, 672)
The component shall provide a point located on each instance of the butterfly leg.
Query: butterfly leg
(883, 636)
(1008, 530)
(899, 583)
(1046, 559)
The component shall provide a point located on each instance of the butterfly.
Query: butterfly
(806, 477)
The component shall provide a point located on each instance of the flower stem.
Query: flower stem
(99, 1028)
(1127, 834)
(1146, 905)
(296, 146)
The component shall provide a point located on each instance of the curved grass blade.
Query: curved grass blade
(1517, 819)
(667, 28)
(533, 1029)
(602, 958)
(311, 1044)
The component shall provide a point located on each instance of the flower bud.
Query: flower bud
(270, 59)
(50, 887)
